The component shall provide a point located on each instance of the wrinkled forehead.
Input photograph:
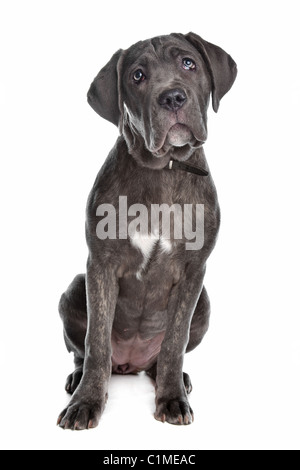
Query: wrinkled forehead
(161, 48)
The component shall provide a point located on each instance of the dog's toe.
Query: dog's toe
(187, 382)
(79, 416)
(73, 381)
(177, 411)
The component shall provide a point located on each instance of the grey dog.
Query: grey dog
(142, 304)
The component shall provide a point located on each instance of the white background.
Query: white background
(246, 372)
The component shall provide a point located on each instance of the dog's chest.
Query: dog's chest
(149, 245)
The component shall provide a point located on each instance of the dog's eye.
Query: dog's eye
(138, 76)
(188, 64)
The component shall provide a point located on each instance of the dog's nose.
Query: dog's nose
(172, 100)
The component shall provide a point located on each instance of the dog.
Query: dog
(142, 304)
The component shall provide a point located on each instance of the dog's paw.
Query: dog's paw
(73, 380)
(187, 382)
(81, 414)
(177, 411)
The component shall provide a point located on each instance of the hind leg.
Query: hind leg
(200, 321)
(73, 312)
(199, 324)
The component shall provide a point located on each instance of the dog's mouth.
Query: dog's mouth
(179, 135)
(180, 138)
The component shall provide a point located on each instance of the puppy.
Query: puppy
(152, 222)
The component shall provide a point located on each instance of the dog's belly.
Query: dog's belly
(140, 321)
(134, 354)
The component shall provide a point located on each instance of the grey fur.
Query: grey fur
(114, 320)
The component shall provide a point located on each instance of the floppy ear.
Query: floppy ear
(103, 95)
(221, 67)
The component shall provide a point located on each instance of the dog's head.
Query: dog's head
(158, 92)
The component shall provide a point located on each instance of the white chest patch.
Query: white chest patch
(146, 244)
(165, 245)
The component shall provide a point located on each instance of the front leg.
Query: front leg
(87, 403)
(172, 404)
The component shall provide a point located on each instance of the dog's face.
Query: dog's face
(158, 93)
(165, 93)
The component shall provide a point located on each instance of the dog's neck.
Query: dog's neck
(196, 170)
(146, 159)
